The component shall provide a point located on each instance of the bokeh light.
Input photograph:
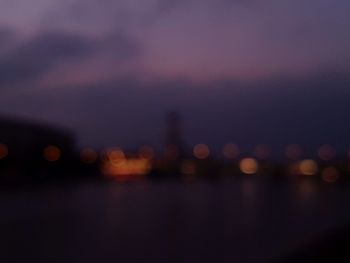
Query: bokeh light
(88, 155)
(3, 151)
(121, 167)
(201, 151)
(52, 153)
(262, 151)
(249, 166)
(308, 167)
(230, 151)
(326, 152)
(293, 151)
(115, 156)
(146, 152)
(188, 167)
(330, 174)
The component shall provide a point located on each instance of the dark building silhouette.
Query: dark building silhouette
(29, 147)
(174, 148)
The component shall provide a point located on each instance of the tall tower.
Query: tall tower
(173, 141)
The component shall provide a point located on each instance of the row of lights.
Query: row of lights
(51, 153)
(306, 167)
(200, 151)
(293, 151)
(250, 166)
(247, 165)
(114, 155)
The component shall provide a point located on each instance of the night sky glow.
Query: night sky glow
(251, 71)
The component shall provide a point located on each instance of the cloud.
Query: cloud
(121, 46)
(37, 56)
(206, 38)
(7, 37)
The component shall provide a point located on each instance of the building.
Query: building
(30, 147)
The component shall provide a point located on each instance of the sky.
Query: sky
(244, 71)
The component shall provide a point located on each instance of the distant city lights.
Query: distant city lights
(52, 153)
(123, 165)
(249, 166)
(330, 174)
(115, 156)
(231, 151)
(188, 167)
(201, 151)
(45, 150)
(88, 155)
(293, 151)
(116, 164)
(326, 152)
(262, 151)
(146, 152)
(3, 151)
(308, 167)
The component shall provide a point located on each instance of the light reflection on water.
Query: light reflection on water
(245, 220)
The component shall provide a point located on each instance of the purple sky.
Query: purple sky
(249, 71)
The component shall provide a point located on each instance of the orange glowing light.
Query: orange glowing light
(3, 151)
(115, 156)
(326, 152)
(146, 152)
(293, 151)
(330, 174)
(118, 166)
(201, 151)
(262, 151)
(52, 153)
(188, 167)
(129, 169)
(88, 155)
(230, 151)
(249, 166)
(308, 167)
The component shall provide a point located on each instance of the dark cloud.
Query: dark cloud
(7, 36)
(249, 38)
(37, 56)
(31, 59)
(121, 46)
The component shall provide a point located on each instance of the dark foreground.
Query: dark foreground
(226, 221)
